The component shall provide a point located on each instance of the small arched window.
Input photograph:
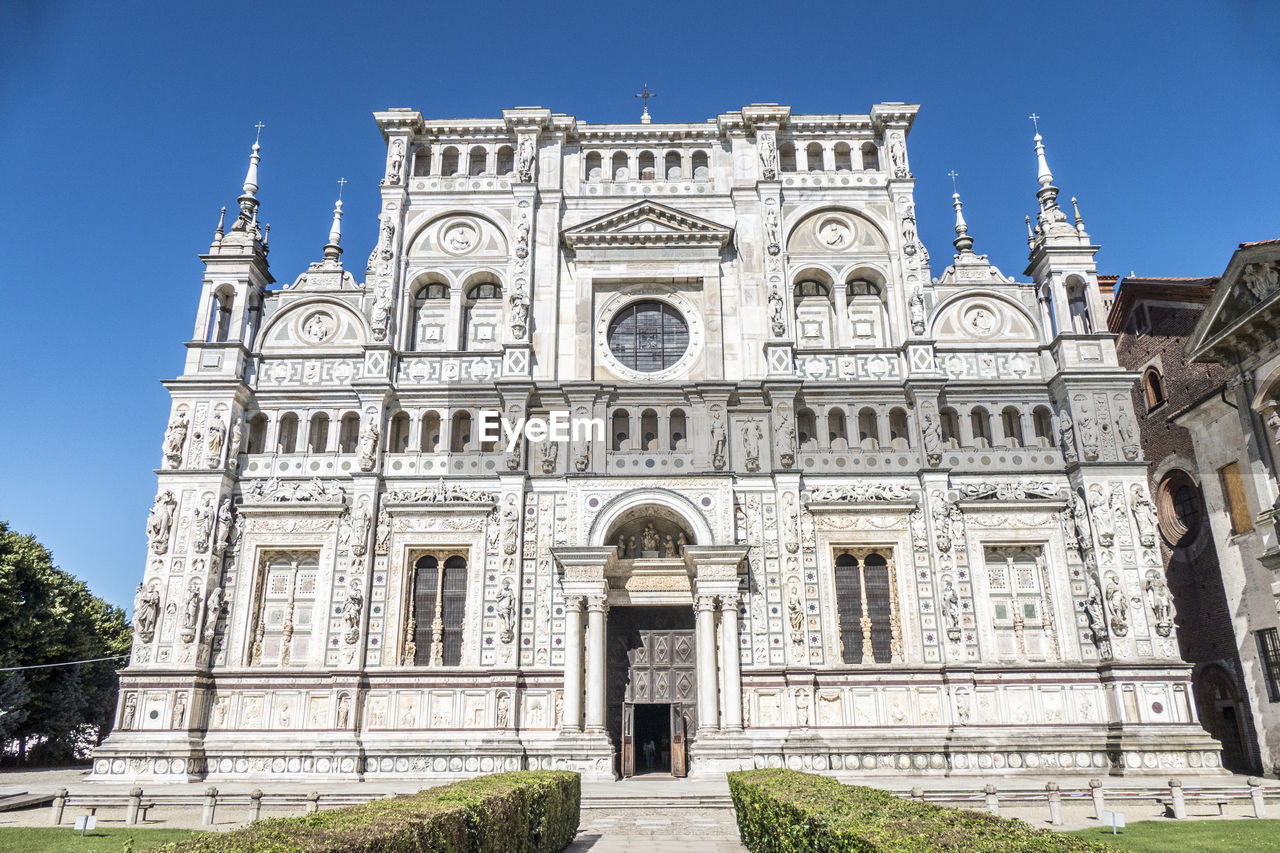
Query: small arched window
(476, 162)
(429, 440)
(844, 157)
(620, 432)
(1042, 420)
(868, 430)
(594, 169)
(809, 287)
(619, 166)
(787, 157)
(1011, 424)
(422, 163)
(506, 160)
(257, 433)
(460, 434)
(318, 438)
(671, 164)
(349, 433)
(806, 429)
(679, 431)
(813, 156)
(646, 166)
(870, 157)
(701, 171)
(949, 425)
(287, 433)
(1153, 387)
(449, 162)
(482, 313)
(220, 317)
(398, 439)
(649, 429)
(837, 430)
(899, 435)
(980, 422)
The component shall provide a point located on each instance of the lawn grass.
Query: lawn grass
(1190, 836)
(64, 839)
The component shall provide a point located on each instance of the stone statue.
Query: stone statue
(175, 438)
(367, 449)
(917, 311)
(146, 609)
(344, 711)
(525, 151)
(550, 453)
(510, 529)
(226, 523)
(506, 607)
(772, 230)
(898, 156)
(802, 708)
(160, 522)
(381, 316)
(383, 536)
(212, 610)
(795, 614)
(180, 711)
(519, 318)
(1261, 280)
(1067, 434)
(788, 511)
(777, 318)
(633, 547)
(1089, 437)
(1144, 515)
(504, 710)
(234, 445)
(360, 523)
(1093, 609)
(1160, 601)
(768, 157)
(718, 441)
(786, 438)
(202, 520)
(1104, 523)
(669, 547)
(1118, 603)
(395, 162)
(680, 543)
(951, 609)
(522, 236)
(351, 614)
(1128, 433)
(213, 443)
(130, 711)
(582, 459)
(649, 539)
(191, 611)
(932, 439)
(751, 438)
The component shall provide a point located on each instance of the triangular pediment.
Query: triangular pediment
(1245, 308)
(647, 223)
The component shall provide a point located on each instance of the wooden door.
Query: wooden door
(628, 740)
(677, 740)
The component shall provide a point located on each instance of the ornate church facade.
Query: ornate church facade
(824, 511)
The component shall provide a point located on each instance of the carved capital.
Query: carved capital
(597, 603)
(730, 602)
(705, 603)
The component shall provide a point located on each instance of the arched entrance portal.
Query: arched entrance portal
(1224, 716)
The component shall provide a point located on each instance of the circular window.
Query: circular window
(648, 337)
(1179, 509)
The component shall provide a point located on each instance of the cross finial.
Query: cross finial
(645, 95)
(258, 138)
(954, 174)
(1035, 120)
(341, 183)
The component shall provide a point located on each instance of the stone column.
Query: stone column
(732, 663)
(708, 688)
(596, 609)
(572, 718)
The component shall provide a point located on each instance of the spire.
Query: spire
(963, 242)
(1079, 219)
(248, 200)
(222, 217)
(1031, 236)
(1048, 193)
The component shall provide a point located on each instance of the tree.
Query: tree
(49, 617)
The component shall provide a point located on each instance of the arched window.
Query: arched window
(287, 433)
(1178, 508)
(398, 435)
(949, 425)
(899, 435)
(429, 440)
(257, 433)
(318, 435)
(439, 599)
(1042, 420)
(476, 162)
(848, 577)
(646, 166)
(620, 434)
(1011, 425)
(506, 160)
(449, 162)
(430, 312)
(980, 422)
(806, 429)
(648, 336)
(868, 317)
(649, 429)
(870, 157)
(837, 430)
(460, 434)
(594, 169)
(786, 157)
(868, 430)
(671, 166)
(422, 162)
(813, 154)
(815, 313)
(812, 288)
(701, 171)
(481, 316)
(879, 607)
(349, 433)
(1153, 386)
(619, 163)
(678, 439)
(220, 317)
(844, 157)
(858, 584)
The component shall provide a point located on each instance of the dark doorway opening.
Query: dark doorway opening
(653, 738)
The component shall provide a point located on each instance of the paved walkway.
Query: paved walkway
(659, 813)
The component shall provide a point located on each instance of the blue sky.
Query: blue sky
(125, 126)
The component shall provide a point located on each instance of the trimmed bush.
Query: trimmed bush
(527, 812)
(782, 811)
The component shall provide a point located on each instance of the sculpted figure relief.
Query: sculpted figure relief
(951, 609)
(234, 445)
(175, 438)
(202, 520)
(718, 441)
(777, 322)
(795, 614)
(772, 230)
(505, 604)
(146, 609)
(380, 317)
(160, 522)
(1104, 523)
(768, 157)
(1118, 604)
(752, 435)
(367, 449)
(786, 438)
(917, 311)
(1144, 515)
(351, 613)
(898, 156)
(1089, 437)
(1160, 602)
(213, 443)
(1067, 434)
(525, 151)
(395, 162)
(932, 439)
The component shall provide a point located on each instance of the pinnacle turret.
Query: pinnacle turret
(248, 200)
(333, 249)
(963, 242)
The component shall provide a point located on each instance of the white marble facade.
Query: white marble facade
(823, 399)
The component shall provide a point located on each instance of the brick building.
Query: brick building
(1153, 318)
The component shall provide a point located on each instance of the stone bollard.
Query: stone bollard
(255, 804)
(993, 802)
(917, 793)
(210, 802)
(1255, 794)
(1179, 802)
(1055, 803)
(59, 803)
(135, 800)
(313, 802)
(1099, 800)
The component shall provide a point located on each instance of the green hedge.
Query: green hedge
(526, 812)
(781, 811)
